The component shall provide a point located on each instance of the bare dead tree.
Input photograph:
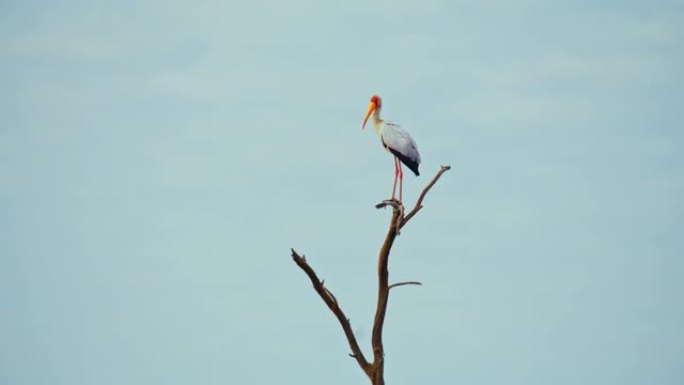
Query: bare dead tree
(375, 369)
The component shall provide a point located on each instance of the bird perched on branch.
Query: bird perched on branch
(397, 141)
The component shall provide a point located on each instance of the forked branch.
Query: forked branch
(375, 369)
(419, 203)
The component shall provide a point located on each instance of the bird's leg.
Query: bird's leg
(396, 174)
(401, 184)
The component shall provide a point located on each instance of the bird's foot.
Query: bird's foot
(389, 202)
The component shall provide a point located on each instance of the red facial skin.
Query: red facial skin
(377, 101)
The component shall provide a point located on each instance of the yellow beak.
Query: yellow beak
(371, 108)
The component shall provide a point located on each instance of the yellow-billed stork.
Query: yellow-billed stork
(397, 141)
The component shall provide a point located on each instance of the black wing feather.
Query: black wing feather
(413, 166)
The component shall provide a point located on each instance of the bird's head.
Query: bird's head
(375, 104)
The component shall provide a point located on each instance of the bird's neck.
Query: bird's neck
(377, 122)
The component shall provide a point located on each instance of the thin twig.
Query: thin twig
(330, 300)
(392, 286)
(332, 296)
(419, 203)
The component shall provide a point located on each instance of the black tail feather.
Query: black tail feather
(413, 166)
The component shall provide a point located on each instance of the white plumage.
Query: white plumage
(400, 143)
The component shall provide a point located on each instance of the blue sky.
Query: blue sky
(159, 159)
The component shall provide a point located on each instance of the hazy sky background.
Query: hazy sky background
(158, 159)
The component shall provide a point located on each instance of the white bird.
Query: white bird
(397, 141)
